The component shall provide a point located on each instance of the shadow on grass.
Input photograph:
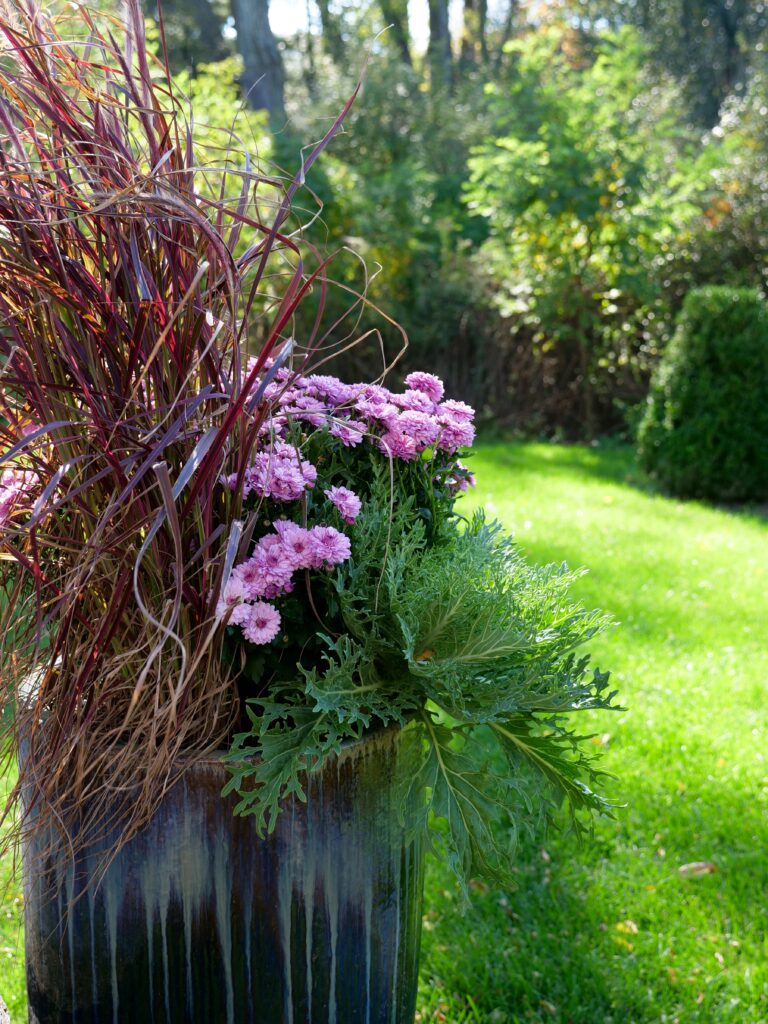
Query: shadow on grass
(613, 933)
(612, 463)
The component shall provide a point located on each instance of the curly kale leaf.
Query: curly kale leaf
(467, 809)
(351, 689)
(287, 738)
(385, 539)
(479, 787)
(487, 634)
(295, 730)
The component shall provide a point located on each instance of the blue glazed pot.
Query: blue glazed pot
(198, 919)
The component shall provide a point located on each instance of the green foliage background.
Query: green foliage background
(535, 227)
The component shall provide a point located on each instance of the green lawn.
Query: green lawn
(612, 933)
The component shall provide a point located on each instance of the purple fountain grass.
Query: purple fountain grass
(132, 281)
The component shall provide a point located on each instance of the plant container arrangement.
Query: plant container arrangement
(257, 659)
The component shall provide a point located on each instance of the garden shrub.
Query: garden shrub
(705, 427)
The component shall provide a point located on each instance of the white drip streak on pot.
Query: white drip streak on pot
(149, 918)
(111, 908)
(223, 901)
(308, 896)
(71, 935)
(186, 909)
(396, 961)
(193, 867)
(164, 897)
(332, 905)
(247, 924)
(284, 905)
(368, 927)
(92, 926)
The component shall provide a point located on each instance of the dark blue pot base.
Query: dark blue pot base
(198, 919)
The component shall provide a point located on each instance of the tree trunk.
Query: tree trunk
(506, 33)
(333, 38)
(395, 13)
(439, 49)
(263, 76)
(310, 66)
(473, 42)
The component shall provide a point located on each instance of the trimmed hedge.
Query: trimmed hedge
(705, 430)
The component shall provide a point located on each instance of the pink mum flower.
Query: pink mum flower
(330, 546)
(346, 501)
(456, 435)
(456, 411)
(348, 432)
(279, 473)
(372, 409)
(416, 401)
(297, 543)
(331, 389)
(231, 602)
(398, 445)
(262, 623)
(309, 409)
(15, 488)
(422, 427)
(271, 567)
(427, 383)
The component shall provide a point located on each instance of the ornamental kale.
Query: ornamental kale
(366, 599)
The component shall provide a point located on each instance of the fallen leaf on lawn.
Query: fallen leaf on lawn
(672, 975)
(697, 869)
(629, 946)
(602, 740)
(544, 855)
(628, 927)
(720, 959)
(549, 1007)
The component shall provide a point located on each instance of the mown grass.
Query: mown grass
(613, 932)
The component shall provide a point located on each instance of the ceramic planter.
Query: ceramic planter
(197, 919)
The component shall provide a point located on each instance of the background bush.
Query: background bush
(531, 192)
(705, 428)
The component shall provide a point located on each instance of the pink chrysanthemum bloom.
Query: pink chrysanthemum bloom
(280, 473)
(230, 601)
(456, 411)
(427, 383)
(297, 543)
(416, 401)
(456, 435)
(422, 427)
(310, 410)
(272, 566)
(373, 392)
(15, 488)
(398, 445)
(330, 546)
(262, 623)
(330, 389)
(346, 501)
(373, 409)
(349, 432)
